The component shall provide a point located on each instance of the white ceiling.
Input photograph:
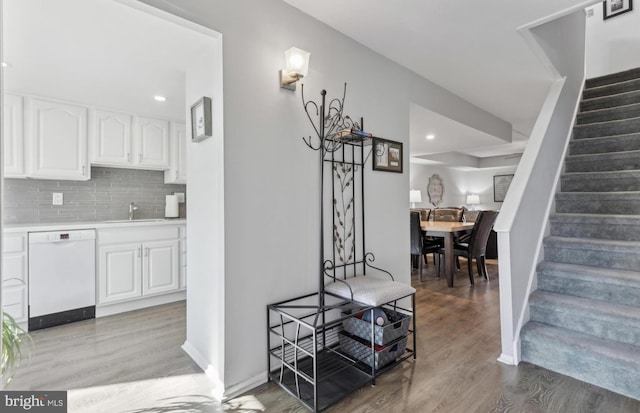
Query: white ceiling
(98, 52)
(471, 48)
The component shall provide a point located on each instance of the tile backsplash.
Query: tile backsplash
(106, 196)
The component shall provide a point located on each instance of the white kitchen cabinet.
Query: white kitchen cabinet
(14, 165)
(136, 263)
(110, 139)
(177, 172)
(119, 273)
(15, 276)
(56, 140)
(152, 136)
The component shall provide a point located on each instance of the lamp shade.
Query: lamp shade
(297, 61)
(473, 199)
(415, 195)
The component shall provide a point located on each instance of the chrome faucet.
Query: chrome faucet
(132, 210)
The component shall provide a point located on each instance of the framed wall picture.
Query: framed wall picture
(387, 155)
(613, 8)
(201, 127)
(501, 185)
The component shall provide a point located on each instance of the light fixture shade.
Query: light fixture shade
(297, 61)
(415, 195)
(473, 199)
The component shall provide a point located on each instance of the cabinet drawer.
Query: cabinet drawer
(118, 235)
(14, 243)
(14, 269)
(14, 300)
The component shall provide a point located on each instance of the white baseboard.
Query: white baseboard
(209, 369)
(110, 309)
(244, 386)
(505, 359)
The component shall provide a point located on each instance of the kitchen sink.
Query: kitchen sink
(119, 221)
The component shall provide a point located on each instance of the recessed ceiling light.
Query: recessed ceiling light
(5, 64)
(431, 137)
(160, 98)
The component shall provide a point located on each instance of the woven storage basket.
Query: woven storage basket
(356, 348)
(397, 327)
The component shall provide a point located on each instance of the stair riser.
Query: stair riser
(597, 290)
(621, 260)
(606, 145)
(586, 324)
(613, 89)
(599, 184)
(596, 231)
(605, 115)
(612, 78)
(597, 130)
(581, 365)
(616, 162)
(610, 102)
(598, 206)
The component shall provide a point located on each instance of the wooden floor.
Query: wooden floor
(133, 363)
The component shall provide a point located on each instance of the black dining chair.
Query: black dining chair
(477, 245)
(420, 246)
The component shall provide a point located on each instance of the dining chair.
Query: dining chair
(447, 214)
(476, 248)
(420, 247)
(424, 213)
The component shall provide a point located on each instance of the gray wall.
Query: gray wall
(106, 196)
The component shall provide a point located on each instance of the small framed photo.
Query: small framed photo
(613, 8)
(387, 155)
(501, 185)
(201, 127)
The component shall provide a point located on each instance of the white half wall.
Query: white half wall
(613, 45)
(271, 179)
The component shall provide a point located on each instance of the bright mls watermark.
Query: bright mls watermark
(33, 401)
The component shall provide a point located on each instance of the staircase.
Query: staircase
(585, 315)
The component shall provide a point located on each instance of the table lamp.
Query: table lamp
(415, 196)
(473, 200)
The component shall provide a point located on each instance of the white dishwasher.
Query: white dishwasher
(62, 281)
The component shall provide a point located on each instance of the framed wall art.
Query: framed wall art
(201, 127)
(387, 155)
(501, 185)
(613, 8)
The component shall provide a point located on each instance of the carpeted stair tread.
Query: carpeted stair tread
(605, 363)
(626, 202)
(612, 78)
(617, 143)
(620, 99)
(609, 128)
(612, 89)
(609, 114)
(596, 226)
(609, 161)
(604, 319)
(607, 181)
(623, 255)
(620, 286)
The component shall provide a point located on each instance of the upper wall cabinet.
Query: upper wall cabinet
(110, 140)
(177, 172)
(13, 137)
(153, 143)
(57, 140)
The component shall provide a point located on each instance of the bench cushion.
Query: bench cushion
(370, 290)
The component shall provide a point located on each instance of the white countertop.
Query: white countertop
(68, 226)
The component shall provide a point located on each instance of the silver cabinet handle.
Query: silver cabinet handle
(129, 157)
(84, 170)
(139, 252)
(139, 158)
(146, 252)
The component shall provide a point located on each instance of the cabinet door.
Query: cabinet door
(177, 173)
(13, 137)
(161, 272)
(119, 273)
(111, 139)
(58, 140)
(14, 302)
(153, 143)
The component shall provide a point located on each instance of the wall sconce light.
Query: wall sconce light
(415, 196)
(296, 67)
(473, 200)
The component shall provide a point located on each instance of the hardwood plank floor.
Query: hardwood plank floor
(133, 363)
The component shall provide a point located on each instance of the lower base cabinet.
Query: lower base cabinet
(131, 270)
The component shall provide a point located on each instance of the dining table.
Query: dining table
(446, 230)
